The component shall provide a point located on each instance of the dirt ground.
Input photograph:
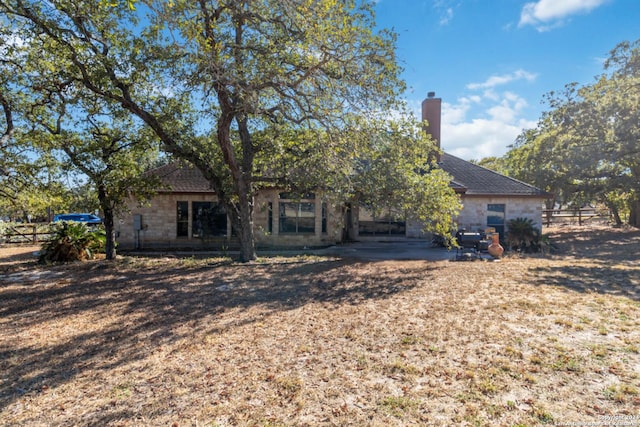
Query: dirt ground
(306, 341)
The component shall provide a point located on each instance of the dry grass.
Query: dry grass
(312, 341)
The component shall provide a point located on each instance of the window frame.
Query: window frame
(182, 218)
(208, 223)
(301, 223)
(391, 223)
(500, 223)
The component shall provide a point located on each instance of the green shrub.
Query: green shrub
(73, 241)
(523, 236)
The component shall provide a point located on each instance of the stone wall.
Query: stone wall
(159, 225)
(474, 212)
(159, 222)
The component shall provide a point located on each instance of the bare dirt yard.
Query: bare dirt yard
(308, 341)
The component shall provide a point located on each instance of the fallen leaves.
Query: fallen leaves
(325, 342)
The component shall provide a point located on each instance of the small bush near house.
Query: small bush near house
(523, 236)
(73, 241)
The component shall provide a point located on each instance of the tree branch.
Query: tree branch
(8, 116)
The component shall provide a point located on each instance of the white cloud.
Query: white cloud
(489, 138)
(486, 120)
(477, 127)
(446, 17)
(548, 14)
(455, 113)
(500, 80)
(445, 10)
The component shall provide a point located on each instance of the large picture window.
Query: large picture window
(297, 216)
(390, 222)
(209, 219)
(495, 217)
(182, 219)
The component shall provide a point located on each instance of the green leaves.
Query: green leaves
(72, 241)
(130, 4)
(219, 83)
(398, 171)
(523, 235)
(586, 148)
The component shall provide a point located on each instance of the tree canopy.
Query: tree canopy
(227, 84)
(26, 173)
(87, 137)
(586, 148)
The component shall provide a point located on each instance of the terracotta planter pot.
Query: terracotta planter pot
(495, 249)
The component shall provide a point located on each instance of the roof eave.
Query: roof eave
(531, 196)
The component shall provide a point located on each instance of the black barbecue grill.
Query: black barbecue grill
(470, 245)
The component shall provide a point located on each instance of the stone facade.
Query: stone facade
(475, 210)
(159, 224)
(159, 229)
(189, 216)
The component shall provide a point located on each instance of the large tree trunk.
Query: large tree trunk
(634, 212)
(245, 230)
(549, 205)
(107, 210)
(241, 215)
(241, 175)
(245, 193)
(110, 247)
(614, 211)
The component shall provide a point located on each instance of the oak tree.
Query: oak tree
(587, 145)
(212, 79)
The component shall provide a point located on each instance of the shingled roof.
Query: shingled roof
(181, 177)
(468, 178)
(471, 179)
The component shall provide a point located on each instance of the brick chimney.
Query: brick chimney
(431, 112)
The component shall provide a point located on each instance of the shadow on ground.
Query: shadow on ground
(611, 245)
(600, 279)
(138, 309)
(606, 261)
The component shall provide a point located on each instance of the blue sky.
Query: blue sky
(491, 61)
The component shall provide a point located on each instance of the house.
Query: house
(187, 214)
(489, 199)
